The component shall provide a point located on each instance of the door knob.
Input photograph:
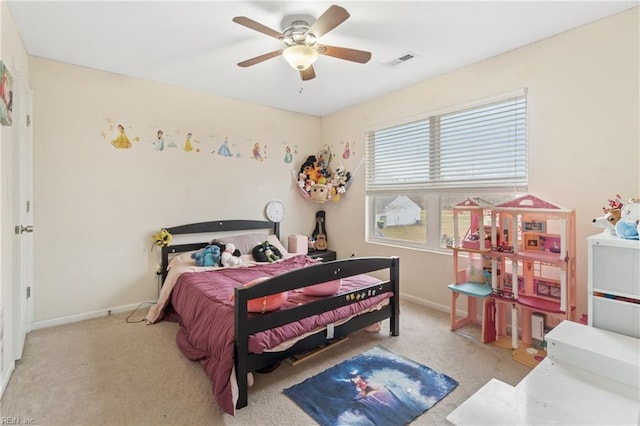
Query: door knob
(28, 228)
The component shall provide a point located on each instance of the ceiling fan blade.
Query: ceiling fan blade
(352, 55)
(260, 58)
(308, 74)
(257, 26)
(330, 19)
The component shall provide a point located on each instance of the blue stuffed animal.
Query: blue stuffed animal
(628, 226)
(627, 230)
(208, 256)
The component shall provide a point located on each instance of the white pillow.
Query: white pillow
(181, 260)
(243, 242)
(274, 241)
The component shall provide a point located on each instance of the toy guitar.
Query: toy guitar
(319, 232)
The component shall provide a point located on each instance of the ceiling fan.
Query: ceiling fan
(300, 38)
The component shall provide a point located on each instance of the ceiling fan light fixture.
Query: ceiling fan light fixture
(300, 56)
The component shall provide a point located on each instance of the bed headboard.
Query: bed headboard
(211, 227)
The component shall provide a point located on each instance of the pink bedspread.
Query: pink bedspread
(201, 301)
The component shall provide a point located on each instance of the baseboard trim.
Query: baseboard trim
(437, 306)
(85, 316)
(424, 302)
(6, 376)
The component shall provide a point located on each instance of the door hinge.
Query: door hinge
(28, 120)
(28, 292)
(28, 206)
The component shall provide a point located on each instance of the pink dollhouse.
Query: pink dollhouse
(533, 242)
(520, 264)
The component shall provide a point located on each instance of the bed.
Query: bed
(212, 304)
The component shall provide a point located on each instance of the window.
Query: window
(417, 171)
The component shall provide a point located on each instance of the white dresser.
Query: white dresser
(589, 377)
(614, 284)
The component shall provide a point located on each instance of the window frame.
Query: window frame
(435, 196)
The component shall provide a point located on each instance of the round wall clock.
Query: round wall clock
(275, 211)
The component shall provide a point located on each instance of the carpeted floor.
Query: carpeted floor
(106, 371)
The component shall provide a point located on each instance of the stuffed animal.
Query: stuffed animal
(628, 226)
(322, 161)
(162, 238)
(228, 257)
(627, 230)
(309, 167)
(319, 192)
(318, 180)
(207, 256)
(338, 182)
(223, 247)
(341, 176)
(266, 252)
(608, 221)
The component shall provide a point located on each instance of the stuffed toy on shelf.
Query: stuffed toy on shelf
(628, 226)
(317, 181)
(612, 215)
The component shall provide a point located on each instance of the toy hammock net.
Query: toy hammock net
(315, 186)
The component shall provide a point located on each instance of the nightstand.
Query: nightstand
(322, 255)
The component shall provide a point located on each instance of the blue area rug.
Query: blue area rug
(378, 387)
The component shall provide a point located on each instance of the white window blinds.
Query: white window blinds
(480, 147)
(400, 155)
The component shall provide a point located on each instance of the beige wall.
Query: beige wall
(583, 123)
(96, 206)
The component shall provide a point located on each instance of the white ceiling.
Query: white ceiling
(195, 44)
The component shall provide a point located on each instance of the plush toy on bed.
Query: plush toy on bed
(208, 256)
(266, 252)
(229, 258)
(223, 247)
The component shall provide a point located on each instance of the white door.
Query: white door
(23, 214)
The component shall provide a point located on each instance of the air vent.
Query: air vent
(402, 59)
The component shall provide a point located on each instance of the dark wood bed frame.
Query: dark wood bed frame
(247, 324)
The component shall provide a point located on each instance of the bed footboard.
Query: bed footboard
(246, 325)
